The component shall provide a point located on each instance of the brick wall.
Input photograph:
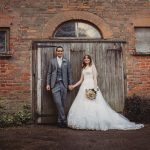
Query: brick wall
(32, 20)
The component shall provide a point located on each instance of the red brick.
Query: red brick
(115, 20)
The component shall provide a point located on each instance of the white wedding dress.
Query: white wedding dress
(95, 114)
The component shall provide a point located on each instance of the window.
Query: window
(4, 40)
(76, 29)
(142, 35)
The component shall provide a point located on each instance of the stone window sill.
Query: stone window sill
(140, 53)
(5, 55)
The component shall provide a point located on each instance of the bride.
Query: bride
(94, 114)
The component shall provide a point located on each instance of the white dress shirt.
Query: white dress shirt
(59, 60)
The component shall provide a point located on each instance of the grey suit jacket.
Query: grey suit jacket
(66, 72)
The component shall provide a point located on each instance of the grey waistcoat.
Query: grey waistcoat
(59, 73)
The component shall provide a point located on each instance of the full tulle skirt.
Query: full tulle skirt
(96, 114)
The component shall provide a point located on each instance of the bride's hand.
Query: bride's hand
(73, 86)
(96, 88)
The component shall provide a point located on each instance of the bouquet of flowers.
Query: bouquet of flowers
(90, 94)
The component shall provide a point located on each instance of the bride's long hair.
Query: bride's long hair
(83, 63)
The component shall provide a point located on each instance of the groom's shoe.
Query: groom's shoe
(60, 125)
(64, 124)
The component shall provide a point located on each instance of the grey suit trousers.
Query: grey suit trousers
(59, 92)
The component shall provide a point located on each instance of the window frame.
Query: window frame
(78, 21)
(7, 40)
(139, 51)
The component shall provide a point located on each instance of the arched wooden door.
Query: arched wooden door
(108, 60)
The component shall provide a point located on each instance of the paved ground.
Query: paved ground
(44, 137)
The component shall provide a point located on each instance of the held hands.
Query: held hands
(71, 87)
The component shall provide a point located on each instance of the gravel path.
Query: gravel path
(44, 137)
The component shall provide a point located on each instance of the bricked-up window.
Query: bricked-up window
(4, 40)
(142, 35)
(76, 29)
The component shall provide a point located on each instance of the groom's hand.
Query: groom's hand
(48, 88)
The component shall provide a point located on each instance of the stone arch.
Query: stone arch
(60, 18)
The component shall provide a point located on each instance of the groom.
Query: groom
(59, 80)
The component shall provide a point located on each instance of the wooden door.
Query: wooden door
(108, 60)
(109, 64)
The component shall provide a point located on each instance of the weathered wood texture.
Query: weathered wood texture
(108, 60)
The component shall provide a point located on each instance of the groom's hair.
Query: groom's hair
(59, 47)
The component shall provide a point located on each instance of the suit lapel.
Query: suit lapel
(63, 61)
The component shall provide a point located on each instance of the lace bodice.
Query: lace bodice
(87, 73)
